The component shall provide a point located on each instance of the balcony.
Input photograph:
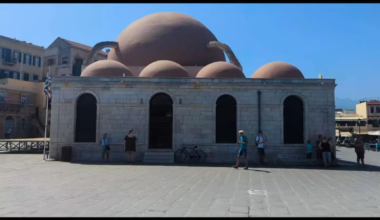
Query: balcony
(26, 109)
(9, 62)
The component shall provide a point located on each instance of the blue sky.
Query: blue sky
(339, 41)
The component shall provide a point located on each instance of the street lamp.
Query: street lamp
(359, 125)
(340, 119)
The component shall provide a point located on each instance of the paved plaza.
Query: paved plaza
(32, 187)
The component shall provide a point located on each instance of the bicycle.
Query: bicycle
(183, 154)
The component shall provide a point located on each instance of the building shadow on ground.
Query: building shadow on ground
(342, 164)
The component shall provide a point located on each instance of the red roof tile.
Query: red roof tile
(82, 46)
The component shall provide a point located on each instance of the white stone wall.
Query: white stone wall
(123, 104)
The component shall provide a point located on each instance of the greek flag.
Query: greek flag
(47, 84)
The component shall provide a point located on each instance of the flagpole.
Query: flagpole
(46, 118)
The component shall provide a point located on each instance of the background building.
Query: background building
(364, 120)
(65, 58)
(21, 76)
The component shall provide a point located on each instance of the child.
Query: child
(309, 150)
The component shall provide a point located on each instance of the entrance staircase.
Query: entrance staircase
(159, 157)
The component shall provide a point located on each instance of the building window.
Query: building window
(35, 77)
(65, 60)
(6, 73)
(372, 109)
(3, 96)
(17, 56)
(377, 109)
(36, 61)
(50, 62)
(15, 75)
(6, 54)
(24, 99)
(26, 76)
(27, 59)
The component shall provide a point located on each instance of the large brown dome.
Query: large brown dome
(106, 68)
(220, 70)
(166, 36)
(278, 70)
(164, 69)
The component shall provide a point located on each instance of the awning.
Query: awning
(343, 134)
(374, 133)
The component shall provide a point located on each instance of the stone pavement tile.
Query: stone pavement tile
(218, 213)
(258, 214)
(280, 215)
(238, 215)
(176, 212)
(152, 214)
(239, 209)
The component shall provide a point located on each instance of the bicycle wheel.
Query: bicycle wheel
(201, 156)
(180, 156)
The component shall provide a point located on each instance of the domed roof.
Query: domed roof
(220, 70)
(164, 69)
(278, 70)
(106, 68)
(166, 36)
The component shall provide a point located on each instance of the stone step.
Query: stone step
(158, 157)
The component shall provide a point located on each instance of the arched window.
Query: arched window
(85, 125)
(293, 120)
(226, 114)
(161, 122)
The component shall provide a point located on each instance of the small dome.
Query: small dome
(278, 70)
(106, 68)
(220, 70)
(166, 36)
(164, 69)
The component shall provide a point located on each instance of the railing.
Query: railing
(9, 62)
(17, 107)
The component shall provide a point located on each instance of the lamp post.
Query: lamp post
(340, 119)
(359, 125)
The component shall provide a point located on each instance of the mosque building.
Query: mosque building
(166, 77)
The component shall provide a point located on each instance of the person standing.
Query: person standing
(242, 143)
(309, 150)
(359, 150)
(377, 145)
(130, 146)
(261, 139)
(325, 148)
(319, 152)
(105, 147)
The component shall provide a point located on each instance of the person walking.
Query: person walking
(261, 139)
(130, 146)
(242, 143)
(325, 148)
(105, 147)
(359, 150)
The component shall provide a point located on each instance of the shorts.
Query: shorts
(326, 157)
(308, 155)
(104, 151)
(360, 155)
(261, 151)
(241, 152)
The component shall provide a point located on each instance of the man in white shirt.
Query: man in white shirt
(260, 141)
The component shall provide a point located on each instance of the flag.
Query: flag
(47, 84)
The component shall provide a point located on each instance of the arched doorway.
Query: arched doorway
(293, 120)
(225, 121)
(85, 124)
(161, 122)
(9, 124)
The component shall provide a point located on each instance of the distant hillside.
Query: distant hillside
(345, 103)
